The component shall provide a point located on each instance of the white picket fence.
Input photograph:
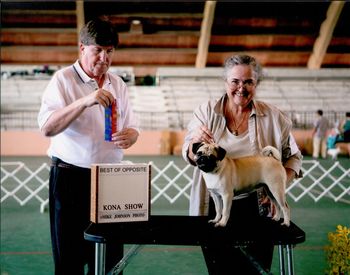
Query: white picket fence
(173, 182)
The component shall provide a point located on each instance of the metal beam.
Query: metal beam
(325, 36)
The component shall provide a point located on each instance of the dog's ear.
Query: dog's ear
(221, 153)
(196, 146)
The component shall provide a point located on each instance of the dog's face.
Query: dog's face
(207, 155)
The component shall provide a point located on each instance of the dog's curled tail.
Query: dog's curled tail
(270, 151)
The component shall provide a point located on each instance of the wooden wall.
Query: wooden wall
(32, 143)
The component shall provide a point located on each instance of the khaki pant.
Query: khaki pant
(319, 144)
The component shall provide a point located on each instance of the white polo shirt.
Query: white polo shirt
(82, 143)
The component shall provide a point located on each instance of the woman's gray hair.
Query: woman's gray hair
(243, 59)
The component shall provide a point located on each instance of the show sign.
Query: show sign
(120, 192)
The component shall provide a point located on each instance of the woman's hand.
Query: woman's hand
(291, 175)
(203, 134)
(267, 202)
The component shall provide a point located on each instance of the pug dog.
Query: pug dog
(224, 176)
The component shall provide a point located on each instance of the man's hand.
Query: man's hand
(125, 138)
(100, 96)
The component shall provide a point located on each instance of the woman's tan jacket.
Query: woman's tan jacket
(267, 125)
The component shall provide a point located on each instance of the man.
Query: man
(319, 134)
(72, 114)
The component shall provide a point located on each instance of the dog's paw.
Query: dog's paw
(221, 223)
(276, 217)
(216, 219)
(286, 223)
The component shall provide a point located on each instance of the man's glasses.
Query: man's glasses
(235, 83)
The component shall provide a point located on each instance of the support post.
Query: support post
(80, 17)
(204, 39)
(325, 36)
(281, 258)
(100, 258)
(290, 259)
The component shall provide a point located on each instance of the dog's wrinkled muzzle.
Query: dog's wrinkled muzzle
(206, 163)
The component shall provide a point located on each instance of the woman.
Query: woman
(242, 126)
